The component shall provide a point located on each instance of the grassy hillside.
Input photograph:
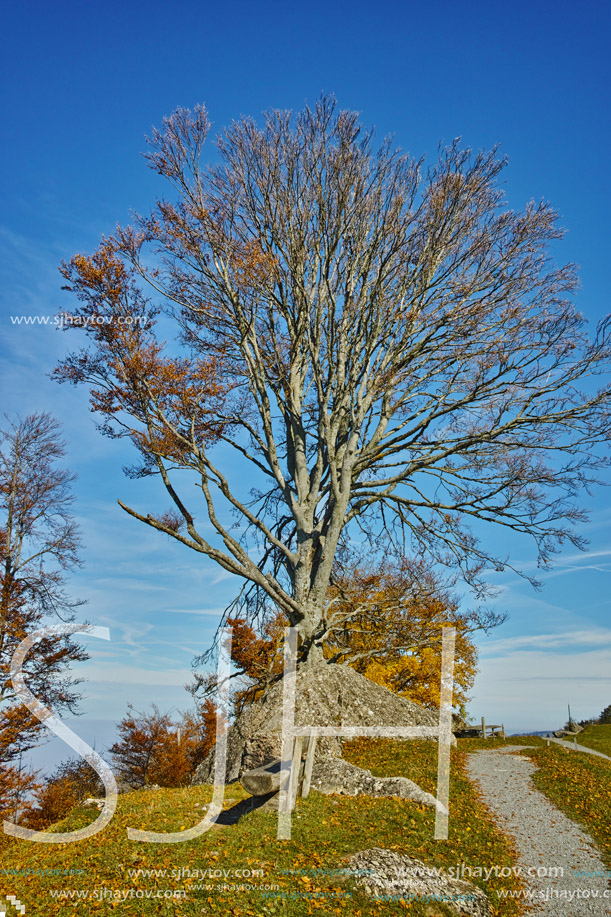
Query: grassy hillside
(596, 737)
(299, 877)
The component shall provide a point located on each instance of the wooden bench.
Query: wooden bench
(482, 731)
(267, 780)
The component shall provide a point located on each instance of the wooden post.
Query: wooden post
(483, 728)
(503, 731)
(309, 764)
(548, 743)
(295, 770)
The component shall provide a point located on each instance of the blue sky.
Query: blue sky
(82, 85)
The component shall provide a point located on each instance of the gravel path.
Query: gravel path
(544, 836)
(575, 746)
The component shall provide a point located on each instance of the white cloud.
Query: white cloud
(530, 689)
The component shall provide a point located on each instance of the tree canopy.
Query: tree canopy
(385, 620)
(152, 748)
(387, 350)
(605, 716)
(38, 543)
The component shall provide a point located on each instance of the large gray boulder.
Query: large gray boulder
(573, 731)
(326, 695)
(386, 876)
(335, 775)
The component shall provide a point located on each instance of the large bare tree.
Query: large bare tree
(379, 344)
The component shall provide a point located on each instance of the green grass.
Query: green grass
(326, 830)
(596, 737)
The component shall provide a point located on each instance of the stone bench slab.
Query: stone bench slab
(263, 780)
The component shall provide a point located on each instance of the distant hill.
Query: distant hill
(545, 733)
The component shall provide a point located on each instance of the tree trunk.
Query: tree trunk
(314, 656)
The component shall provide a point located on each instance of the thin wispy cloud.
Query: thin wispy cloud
(551, 641)
(212, 612)
(134, 675)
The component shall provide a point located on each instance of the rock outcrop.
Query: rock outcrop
(335, 775)
(387, 876)
(326, 695)
(574, 730)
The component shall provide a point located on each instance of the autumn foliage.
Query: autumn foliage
(153, 749)
(257, 656)
(386, 622)
(38, 543)
(72, 782)
(159, 392)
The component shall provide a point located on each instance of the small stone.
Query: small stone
(388, 875)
